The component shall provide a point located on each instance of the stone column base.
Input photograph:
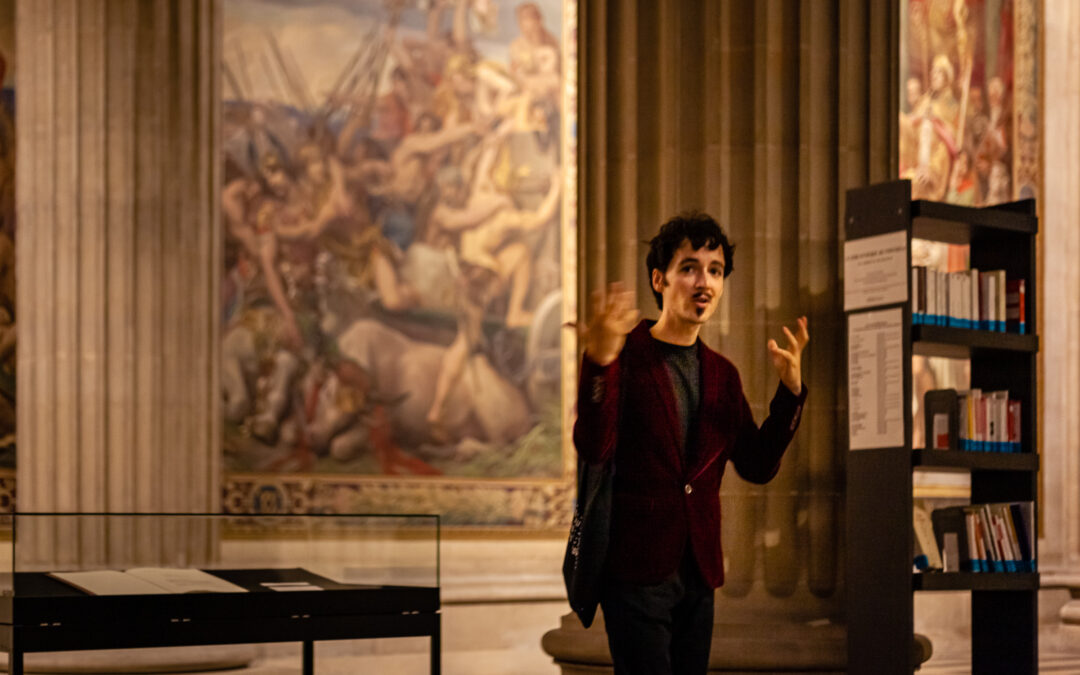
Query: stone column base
(158, 660)
(736, 648)
(1066, 634)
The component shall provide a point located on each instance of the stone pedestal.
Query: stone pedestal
(818, 647)
(737, 647)
(1068, 615)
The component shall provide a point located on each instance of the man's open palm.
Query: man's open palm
(788, 362)
(613, 316)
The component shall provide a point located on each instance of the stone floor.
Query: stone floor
(961, 665)
(538, 663)
(460, 663)
(477, 639)
(286, 661)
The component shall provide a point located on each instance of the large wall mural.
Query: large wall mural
(969, 120)
(398, 204)
(7, 252)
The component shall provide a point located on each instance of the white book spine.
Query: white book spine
(974, 549)
(931, 294)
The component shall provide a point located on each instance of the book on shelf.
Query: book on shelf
(949, 525)
(147, 581)
(942, 415)
(972, 420)
(994, 537)
(1015, 306)
(927, 555)
(972, 299)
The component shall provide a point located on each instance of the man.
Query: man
(670, 413)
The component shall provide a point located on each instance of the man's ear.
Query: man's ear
(658, 281)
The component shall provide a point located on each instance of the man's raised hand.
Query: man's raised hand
(613, 316)
(788, 362)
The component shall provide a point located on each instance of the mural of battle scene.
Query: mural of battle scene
(967, 103)
(7, 237)
(392, 202)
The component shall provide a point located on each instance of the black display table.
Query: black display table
(46, 614)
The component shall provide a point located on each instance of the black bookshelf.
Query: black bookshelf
(932, 340)
(975, 581)
(879, 486)
(938, 460)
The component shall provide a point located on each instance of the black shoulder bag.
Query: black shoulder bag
(586, 549)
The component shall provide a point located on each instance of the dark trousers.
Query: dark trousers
(664, 629)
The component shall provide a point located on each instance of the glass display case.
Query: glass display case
(119, 580)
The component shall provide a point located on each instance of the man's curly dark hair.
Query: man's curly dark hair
(703, 232)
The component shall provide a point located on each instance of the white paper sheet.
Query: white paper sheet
(185, 580)
(875, 379)
(147, 581)
(108, 582)
(875, 271)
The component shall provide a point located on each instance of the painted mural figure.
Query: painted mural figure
(955, 123)
(392, 250)
(936, 118)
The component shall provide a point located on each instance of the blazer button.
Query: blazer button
(688, 488)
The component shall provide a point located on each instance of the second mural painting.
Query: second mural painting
(394, 196)
(969, 103)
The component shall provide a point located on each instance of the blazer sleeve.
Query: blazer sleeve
(596, 427)
(758, 450)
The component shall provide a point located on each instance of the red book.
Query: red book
(1015, 311)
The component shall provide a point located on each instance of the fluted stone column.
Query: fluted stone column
(763, 114)
(1059, 321)
(117, 263)
(117, 255)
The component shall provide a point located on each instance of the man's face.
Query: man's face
(692, 284)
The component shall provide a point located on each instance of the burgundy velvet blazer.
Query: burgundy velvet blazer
(627, 411)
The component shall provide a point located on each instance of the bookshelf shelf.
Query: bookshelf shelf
(944, 341)
(961, 224)
(975, 581)
(879, 475)
(963, 460)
